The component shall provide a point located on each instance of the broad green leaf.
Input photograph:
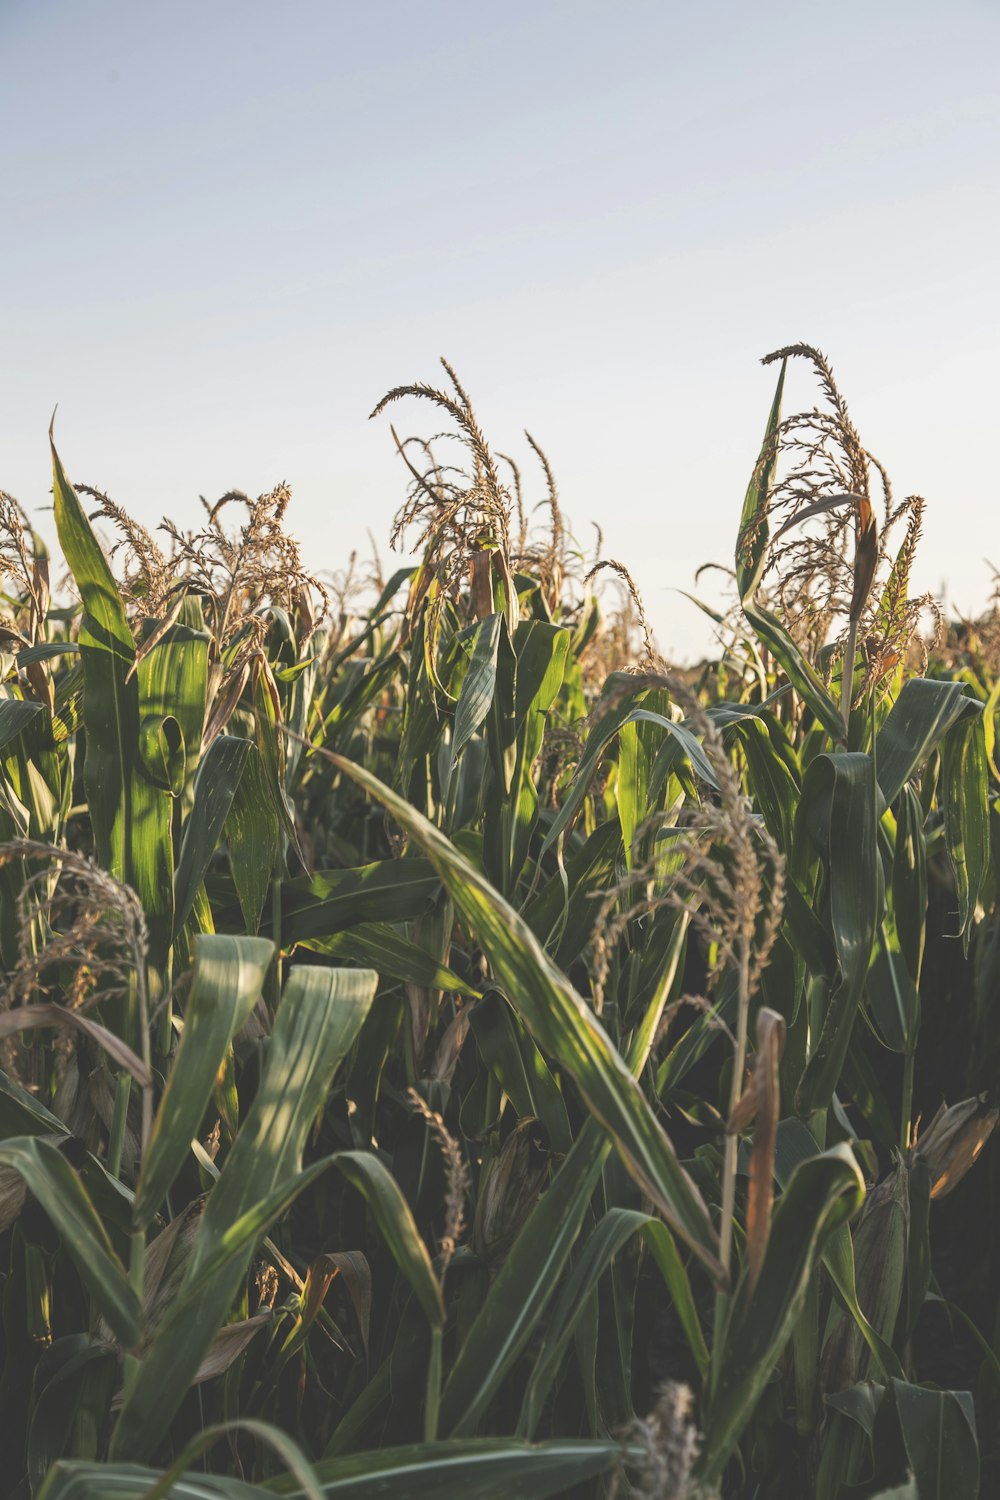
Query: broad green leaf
(252, 830)
(130, 816)
(631, 785)
(524, 1285)
(800, 672)
(57, 1187)
(964, 786)
(751, 544)
(173, 685)
(490, 1469)
(77, 1479)
(73, 1384)
(270, 742)
(562, 914)
(228, 976)
(319, 1016)
(776, 790)
(15, 716)
(486, 1469)
(395, 1222)
(521, 1069)
(563, 1025)
(478, 684)
(939, 1433)
(215, 786)
(321, 905)
(918, 721)
(821, 1194)
(46, 651)
(603, 1243)
(376, 945)
(909, 881)
(893, 998)
(608, 725)
(837, 813)
(529, 1276)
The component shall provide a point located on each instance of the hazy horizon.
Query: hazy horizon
(233, 228)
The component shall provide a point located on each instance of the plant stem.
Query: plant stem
(433, 1387)
(116, 1136)
(906, 1112)
(735, 1089)
(847, 675)
(731, 1152)
(136, 1275)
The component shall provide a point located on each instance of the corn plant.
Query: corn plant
(449, 1051)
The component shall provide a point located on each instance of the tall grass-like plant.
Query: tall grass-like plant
(447, 1050)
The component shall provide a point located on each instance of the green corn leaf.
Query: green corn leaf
(939, 1433)
(965, 782)
(46, 651)
(520, 1068)
(918, 721)
(478, 685)
(603, 1243)
(821, 1194)
(252, 830)
(390, 1210)
(751, 544)
(837, 814)
(215, 786)
(541, 665)
(909, 881)
(493, 1469)
(800, 672)
(893, 998)
(173, 685)
(632, 782)
(72, 1386)
(563, 1025)
(321, 905)
(796, 1145)
(776, 790)
(376, 945)
(228, 975)
(76, 1479)
(524, 1285)
(528, 1277)
(15, 716)
(57, 1187)
(319, 1016)
(395, 1222)
(130, 815)
(601, 736)
(561, 915)
(486, 1469)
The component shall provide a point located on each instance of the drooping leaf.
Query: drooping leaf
(562, 1025)
(60, 1192)
(228, 976)
(821, 1194)
(319, 1016)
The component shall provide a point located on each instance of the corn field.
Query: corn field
(449, 1052)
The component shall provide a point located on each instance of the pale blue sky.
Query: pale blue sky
(229, 227)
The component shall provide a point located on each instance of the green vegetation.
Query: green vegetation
(447, 1053)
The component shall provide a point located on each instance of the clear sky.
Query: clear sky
(230, 225)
